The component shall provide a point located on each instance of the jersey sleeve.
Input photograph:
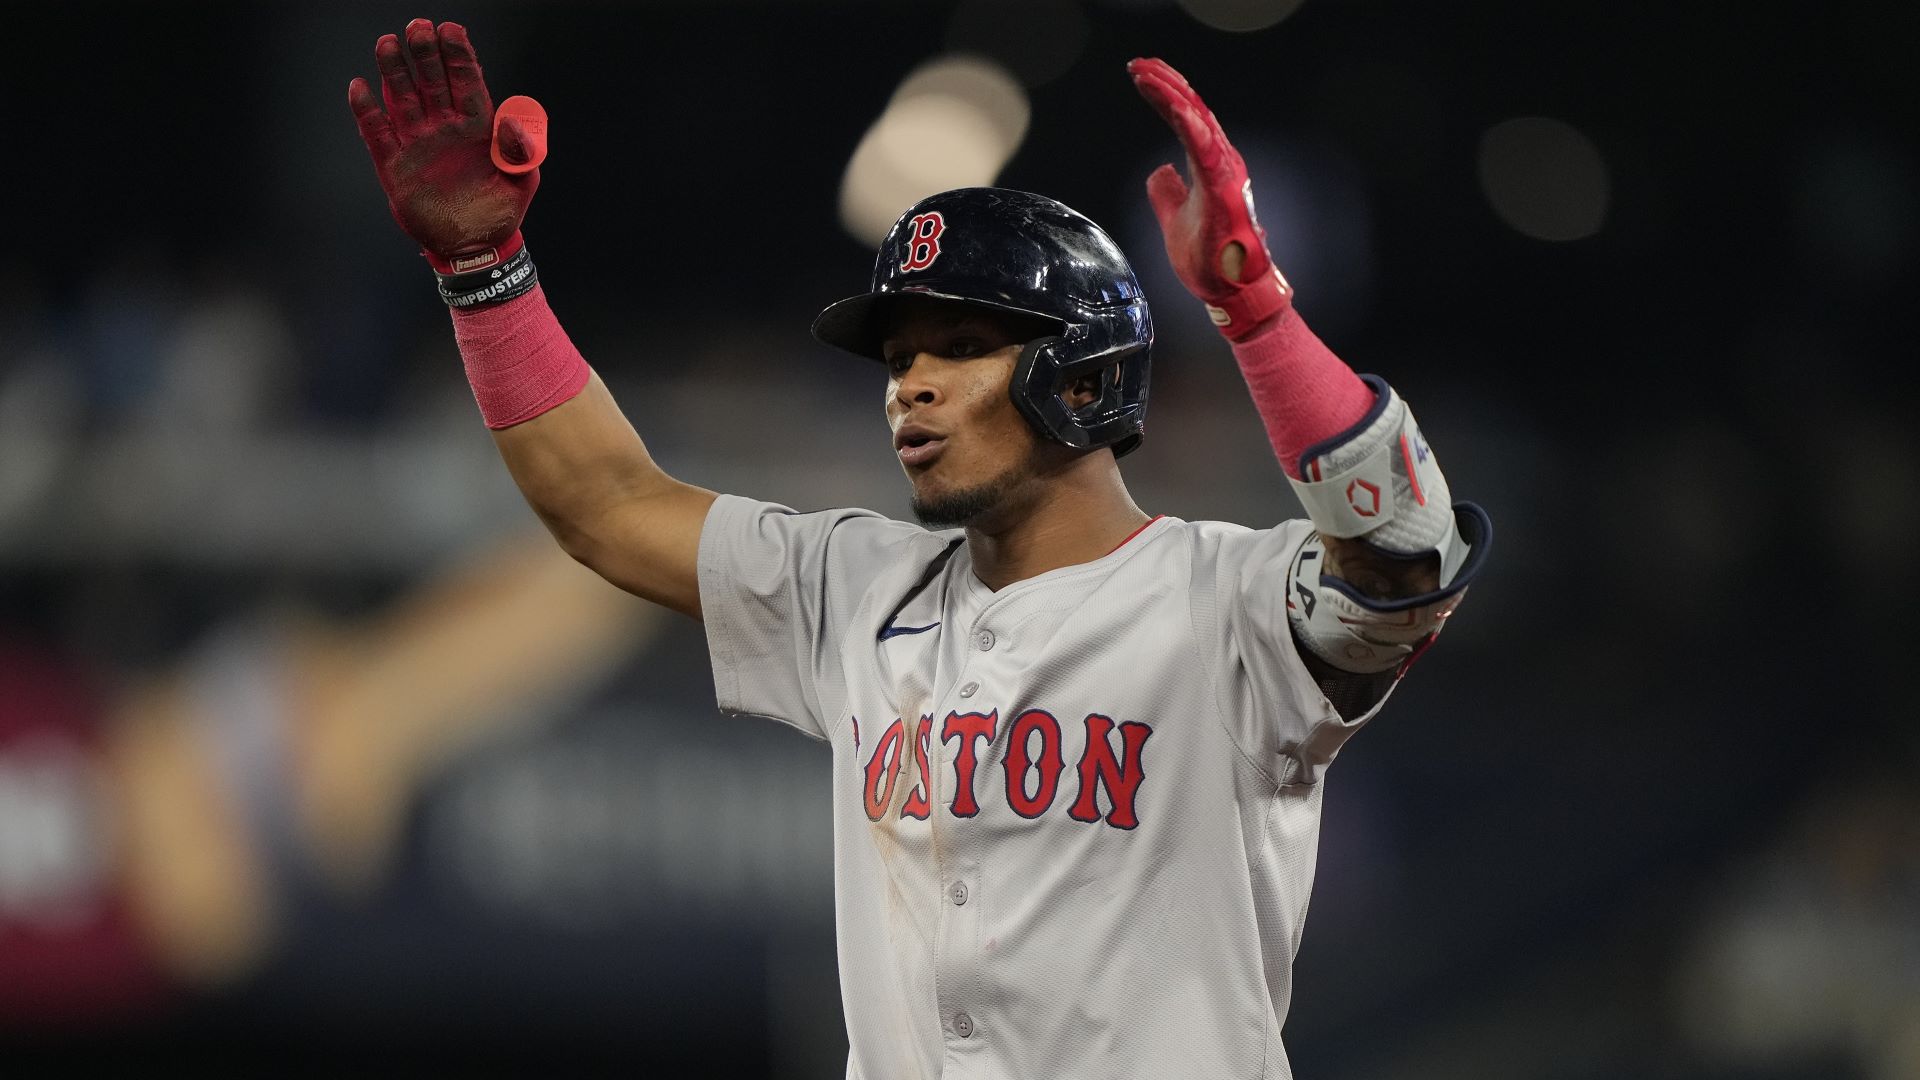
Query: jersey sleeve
(777, 590)
(1273, 706)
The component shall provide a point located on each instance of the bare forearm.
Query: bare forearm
(578, 460)
(587, 474)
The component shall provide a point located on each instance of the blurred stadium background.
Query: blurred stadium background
(314, 757)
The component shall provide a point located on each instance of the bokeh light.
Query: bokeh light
(1038, 40)
(954, 122)
(1544, 178)
(1240, 16)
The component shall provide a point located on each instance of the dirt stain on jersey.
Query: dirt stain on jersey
(904, 865)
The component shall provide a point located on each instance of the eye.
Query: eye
(966, 346)
(898, 361)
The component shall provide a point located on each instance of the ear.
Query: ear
(1082, 391)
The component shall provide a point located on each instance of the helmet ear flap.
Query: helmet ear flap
(1112, 417)
(1034, 391)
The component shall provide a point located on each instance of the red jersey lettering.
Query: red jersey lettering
(1121, 774)
(1020, 760)
(970, 729)
(886, 756)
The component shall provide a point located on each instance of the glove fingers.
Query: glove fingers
(425, 49)
(1171, 83)
(1167, 192)
(1195, 134)
(374, 128)
(1162, 70)
(464, 82)
(1157, 94)
(1229, 156)
(396, 85)
(1211, 150)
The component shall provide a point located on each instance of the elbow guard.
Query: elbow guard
(1379, 481)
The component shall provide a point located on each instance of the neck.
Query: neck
(1072, 515)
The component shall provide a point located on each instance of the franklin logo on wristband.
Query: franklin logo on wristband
(479, 260)
(488, 286)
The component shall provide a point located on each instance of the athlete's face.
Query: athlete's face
(963, 443)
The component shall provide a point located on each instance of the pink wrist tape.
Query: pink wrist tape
(1303, 392)
(519, 362)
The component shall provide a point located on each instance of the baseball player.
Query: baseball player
(1077, 748)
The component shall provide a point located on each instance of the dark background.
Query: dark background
(1650, 810)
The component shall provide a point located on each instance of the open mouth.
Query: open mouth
(920, 449)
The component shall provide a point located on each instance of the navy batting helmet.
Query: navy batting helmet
(1012, 251)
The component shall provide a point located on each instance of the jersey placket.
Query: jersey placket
(959, 981)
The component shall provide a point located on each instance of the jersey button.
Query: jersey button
(969, 689)
(963, 1025)
(958, 894)
(984, 640)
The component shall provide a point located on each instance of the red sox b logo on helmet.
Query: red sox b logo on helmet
(923, 240)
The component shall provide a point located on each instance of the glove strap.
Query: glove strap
(487, 276)
(1248, 308)
(477, 258)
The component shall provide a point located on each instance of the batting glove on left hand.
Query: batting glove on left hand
(458, 179)
(1203, 222)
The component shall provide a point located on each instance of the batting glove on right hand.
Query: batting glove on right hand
(1202, 221)
(458, 178)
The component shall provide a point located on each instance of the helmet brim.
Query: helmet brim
(858, 324)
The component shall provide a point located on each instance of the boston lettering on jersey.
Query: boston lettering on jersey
(1030, 773)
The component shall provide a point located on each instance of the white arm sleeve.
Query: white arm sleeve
(1379, 481)
(777, 589)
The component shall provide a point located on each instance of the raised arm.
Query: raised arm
(459, 175)
(1394, 552)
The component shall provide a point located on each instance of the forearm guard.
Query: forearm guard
(1380, 482)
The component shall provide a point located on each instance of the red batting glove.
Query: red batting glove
(433, 148)
(1200, 222)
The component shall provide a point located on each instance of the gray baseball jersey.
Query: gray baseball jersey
(1075, 820)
